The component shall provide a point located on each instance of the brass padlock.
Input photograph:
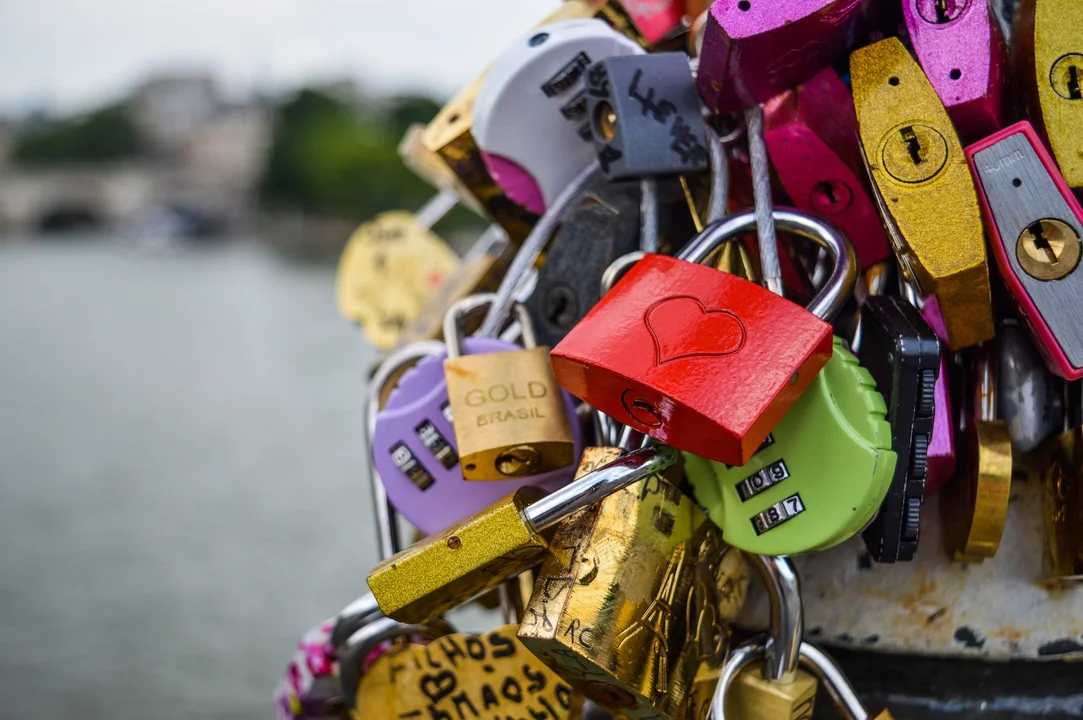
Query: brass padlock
(923, 187)
(1062, 476)
(609, 609)
(498, 543)
(974, 506)
(510, 416)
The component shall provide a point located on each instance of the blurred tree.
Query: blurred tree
(104, 135)
(406, 110)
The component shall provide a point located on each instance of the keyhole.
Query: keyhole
(561, 308)
(1048, 249)
(913, 144)
(1067, 76)
(941, 12)
(1042, 242)
(831, 196)
(1073, 83)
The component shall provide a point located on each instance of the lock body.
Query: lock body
(924, 188)
(510, 415)
(753, 696)
(530, 118)
(601, 227)
(754, 50)
(310, 682)
(1030, 399)
(785, 500)
(606, 613)
(685, 353)
(975, 507)
(1035, 227)
(811, 136)
(645, 116)
(962, 51)
(390, 267)
(902, 354)
(1063, 505)
(417, 454)
(464, 676)
(1047, 54)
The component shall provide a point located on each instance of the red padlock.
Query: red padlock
(700, 359)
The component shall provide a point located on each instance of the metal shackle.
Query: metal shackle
(843, 278)
(387, 526)
(367, 639)
(354, 617)
(472, 304)
(985, 395)
(811, 658)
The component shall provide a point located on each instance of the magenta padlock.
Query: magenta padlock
(415, 452)
(655, 18)
(811, 136)
(310, 687)
(756, 49)
(941, 464)
(962, 50)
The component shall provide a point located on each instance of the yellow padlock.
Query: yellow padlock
(924, 188)
(1047, 49)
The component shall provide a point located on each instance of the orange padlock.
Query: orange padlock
(699, 358)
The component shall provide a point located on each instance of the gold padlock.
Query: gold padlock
(464, 676)
(1063, 504)
(390, 267)
(974, 506)
(510, 415)
(923, 187)
(449, 135)
(498, 543)
(610, 610)
(1047, 49)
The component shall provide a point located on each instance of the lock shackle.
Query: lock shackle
(369, 637)
(811, 657)
(353, 617)
(719, 194)
(985, 386)
(597, 485)
(387, 518)
(843, 278)
(787, 615)
(618, 267)
(472, 304)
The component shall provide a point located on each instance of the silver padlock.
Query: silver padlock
(1029, 397)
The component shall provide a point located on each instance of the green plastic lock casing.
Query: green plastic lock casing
(817, 480)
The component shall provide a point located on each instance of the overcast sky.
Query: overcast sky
(71, 54)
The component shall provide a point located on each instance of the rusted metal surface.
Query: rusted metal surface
(1002, 609)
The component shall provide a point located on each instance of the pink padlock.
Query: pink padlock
(962, 50)
(310, 689)
(655, 18)
(811, 136)
(756, 49)
(941, 464)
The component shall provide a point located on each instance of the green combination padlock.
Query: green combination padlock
(817, 480)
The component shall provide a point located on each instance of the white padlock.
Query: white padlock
(530, 117)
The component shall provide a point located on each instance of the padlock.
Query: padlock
(1035, 224)
(834, 681)
(602, 226)
(811, 136)
(645, 116)
(761, 679)
(497, 543)
(1029, 399)
(923, 187)
(785, 500)
(464, 676)
(511, 418)
(974, 507)
(902, 353)
(756, 49)
(635, 550)
(689, 355)
(416, 455)
(1063, 505)
(961, 48)
(390, 267)
(530, 118)
(941, 464)
(1047, 61)
(309, 690)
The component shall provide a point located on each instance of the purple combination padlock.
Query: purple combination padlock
(756, 49)
(415, 452)
(961, 49)
(941, 465)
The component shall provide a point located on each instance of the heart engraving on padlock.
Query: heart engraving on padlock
(682, 327)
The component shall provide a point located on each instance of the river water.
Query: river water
(181, 476)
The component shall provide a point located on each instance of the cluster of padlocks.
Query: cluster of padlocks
(633, 393)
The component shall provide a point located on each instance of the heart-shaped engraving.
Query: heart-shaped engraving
(682, 327)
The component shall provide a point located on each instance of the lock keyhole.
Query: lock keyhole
(913, 144)
(561, 308)
(1041, 242)
(831, 196)
(941, 12)
(1067, 76)
(1048, 249)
